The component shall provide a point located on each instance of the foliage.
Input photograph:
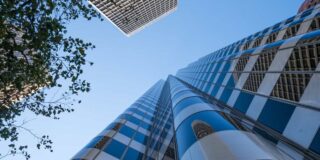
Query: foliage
(36, 53)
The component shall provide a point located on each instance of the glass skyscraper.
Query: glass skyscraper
(258, 98)
(131, 16)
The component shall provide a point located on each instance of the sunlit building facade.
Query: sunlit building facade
(131, 16)
(258, 98)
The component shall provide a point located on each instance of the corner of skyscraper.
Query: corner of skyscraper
(257, 98)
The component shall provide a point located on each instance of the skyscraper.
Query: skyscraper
(9, 91)
(131, 16)
(258, 98)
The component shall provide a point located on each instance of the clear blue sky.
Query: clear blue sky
(126, 67)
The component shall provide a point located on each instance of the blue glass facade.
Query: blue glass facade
(258, 98)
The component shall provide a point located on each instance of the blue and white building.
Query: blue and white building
(258, 98)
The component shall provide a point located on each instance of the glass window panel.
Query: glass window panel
(115, 148)
(276, 115)
(133, 155)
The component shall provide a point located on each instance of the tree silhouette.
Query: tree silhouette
(37, 53)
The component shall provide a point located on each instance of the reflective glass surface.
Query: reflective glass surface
(115, 148)
(276, 115)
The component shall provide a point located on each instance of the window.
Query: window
(253, 82)
(93, 143)
(116, 127)
(227, 92)
(272, 37)
(127, 131)
(102, 142)
(242, 62)
(145, 125)
(257, 42)
(201, 129)
(255, 35)
(132, 154)
(243, 102)
(141, 138)
(291, 31)
(315, 145)
(304, 58)
(276, 115)
(131, 118)
(276, 26)
(289, 20)
(265, 59)
(186, 103)
(115, 148)
(315, 24)
(306, 13)
(291, 86)
(246, 46)
(265, 31)
(261, 66)
(237, 48)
